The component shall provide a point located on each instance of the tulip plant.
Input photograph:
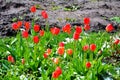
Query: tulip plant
(51, 53)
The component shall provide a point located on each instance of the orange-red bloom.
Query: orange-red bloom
(27, 25)
(86, 20)
(57, 72)
(61, 50)
(36, 28)
(15, 26)
(41, 32)
(69, 51)
(76, 36)
(44, 14)
(85, 48)
(92, 47)
(45, 55)
(36, 39)
(109, 28)
(33, 9)
(25, 34)
(116, 41)
(61, 44)
(67, 28)
(55, 30)
(88, 64)
(19, 23)
(87, 27)
(49, 51)
(11, 59)
(78, 29)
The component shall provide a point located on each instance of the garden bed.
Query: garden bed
(51, 40)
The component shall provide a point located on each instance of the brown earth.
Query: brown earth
(60, 12)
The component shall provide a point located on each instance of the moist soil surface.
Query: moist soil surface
(60, 12)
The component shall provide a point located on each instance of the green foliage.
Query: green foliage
(116, 19)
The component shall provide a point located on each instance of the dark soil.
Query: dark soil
(60, 12)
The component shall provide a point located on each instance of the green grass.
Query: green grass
(20, 48)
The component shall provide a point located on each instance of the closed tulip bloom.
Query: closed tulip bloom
(25, 34)
(76, 36)
(61, 50)
(42, 32)
(109, 28)
(117, 41)
(27, 25)
(86, 20)
(49, 51)
(44, 14)
(85, 48)
(69, 51)
(15, 26)
(33, 9)
(87, 27)
(78, 29)
(55, 30)
(36, 39)
(88, 64)
(92, 47)
(57, 72)
(36, 28)
(61, 44)
(10, 59)
(45, 55)
(19, 23)
(67, 28)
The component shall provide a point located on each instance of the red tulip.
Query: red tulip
(87, 27)
(88, 64)
(61, 50)
(11, 59)
(86, 20)
(33, 9)
(57, 72)
(15, 26)
(116, 41)
(36, 28)
(109, 28)
(49, 51)
(85, 48)
(41, 32)
(55, 31)
(61, 44)
(36, 39)
(78, 29)
(44, 14)
(92, 47)
(19, 23)
(67, 28)
(45, 55)
(76, 36)
(27, 25)
(69, 51)
(25, 34)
